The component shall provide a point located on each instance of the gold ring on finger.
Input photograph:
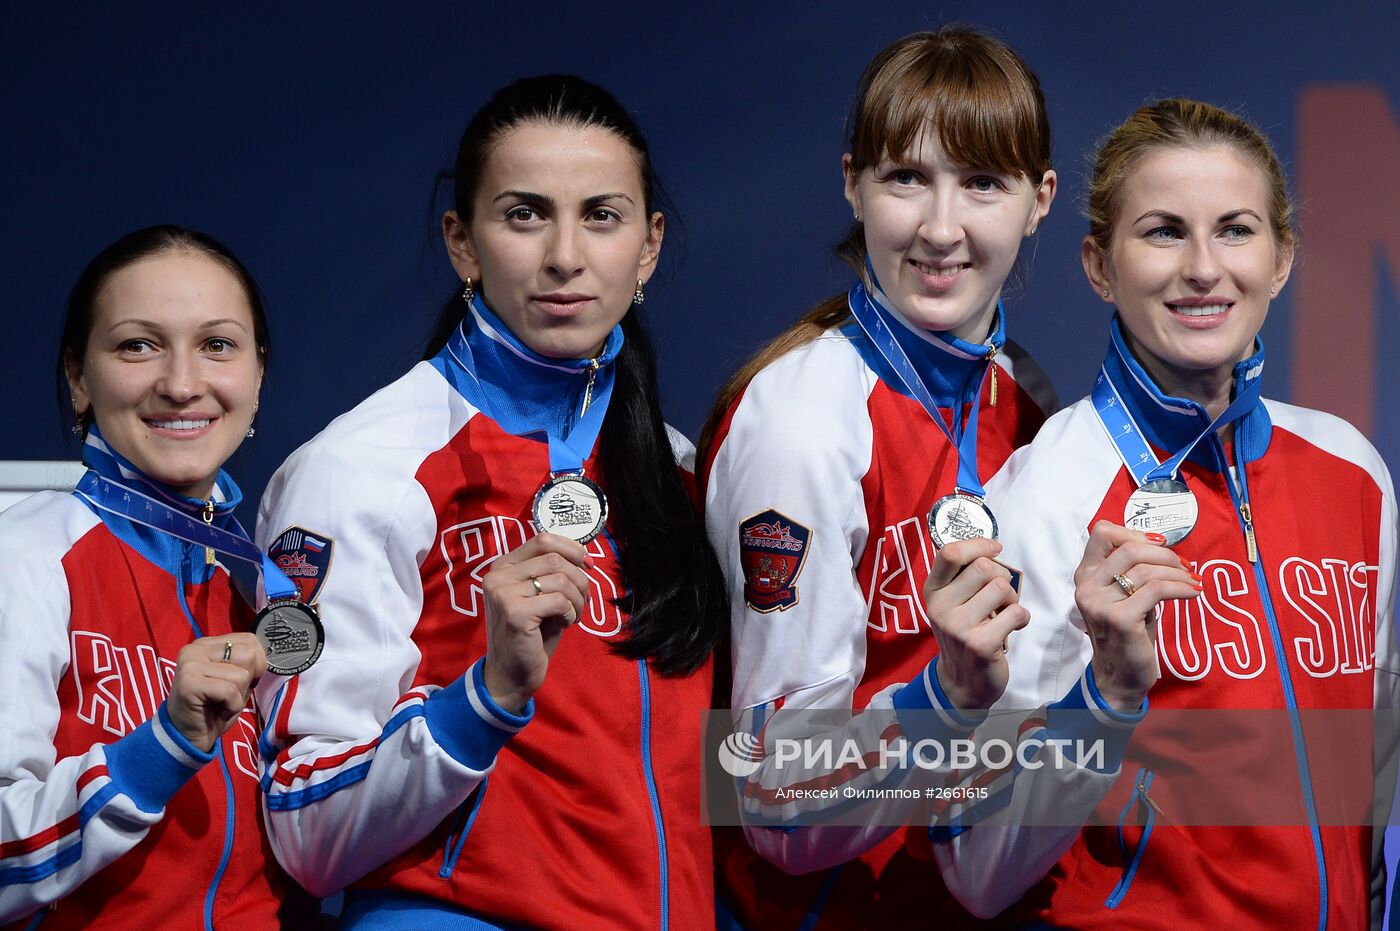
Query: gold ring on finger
(1126, 584)
(539, 589)
(228, 651)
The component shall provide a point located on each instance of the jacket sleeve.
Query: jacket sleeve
(786, 514)
(63, 820)
(359, 764)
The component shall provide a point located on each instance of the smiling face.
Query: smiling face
(559, 235)
(171, 371)
(942, 237)
(1192, 264)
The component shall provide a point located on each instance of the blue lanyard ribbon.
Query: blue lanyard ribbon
(964, 441)
(1127, 437)
(140, 503)
(567, 452)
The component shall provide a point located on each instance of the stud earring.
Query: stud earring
(1106, 292)
(637, 295)
(1273, 292)
(252, 430)
(467, 292)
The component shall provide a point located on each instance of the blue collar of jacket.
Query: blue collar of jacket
(1170, 423)
(160, 548)
(952, 368)
(520, 389)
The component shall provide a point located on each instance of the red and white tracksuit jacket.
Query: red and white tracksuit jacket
(109, 817)
(388, 767)
(1302, 623)
(819, 482)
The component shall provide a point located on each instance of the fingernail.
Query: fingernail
(1195, 576)
(1156, 538)
(1198, 587)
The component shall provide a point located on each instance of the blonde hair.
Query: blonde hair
(987, 108)
(1181, 123)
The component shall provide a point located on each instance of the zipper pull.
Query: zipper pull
(1250, 545)
(1142, 791)
(208, 514)
(991, 355)
(588, 388)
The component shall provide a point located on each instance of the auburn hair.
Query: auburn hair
(988, 110)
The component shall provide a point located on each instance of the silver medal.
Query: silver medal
(292, 635)
(1165, 506)
(571, 506)
(960, 516)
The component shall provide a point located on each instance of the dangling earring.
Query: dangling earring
(637, 295)
(467, 292)
(252, 430)
(78, 428)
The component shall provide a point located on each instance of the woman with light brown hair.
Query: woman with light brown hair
(856, 442)
(1185, 538)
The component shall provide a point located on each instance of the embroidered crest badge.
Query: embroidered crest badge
(306, 559)
(772, 550)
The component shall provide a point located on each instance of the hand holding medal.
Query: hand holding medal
(1119, 583)
(972, 602)
(213, 676)
(532, 593)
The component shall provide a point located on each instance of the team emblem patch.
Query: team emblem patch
(306, 559)
(772, 549)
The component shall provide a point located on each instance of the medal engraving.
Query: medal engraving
(571, 506)
(292, 635)
(958, 517)
(1164, 506)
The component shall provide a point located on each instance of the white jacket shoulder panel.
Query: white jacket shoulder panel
(1044, 498)
(798, 445)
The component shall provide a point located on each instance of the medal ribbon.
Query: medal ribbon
(567, 452)
(142, 504)
(867, 314)
(1127, 437)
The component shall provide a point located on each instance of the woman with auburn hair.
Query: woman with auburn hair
(503, 730)
(853, 445)
(1186, 539)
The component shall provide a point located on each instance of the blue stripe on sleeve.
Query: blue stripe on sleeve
(144, 771)
(290, 801)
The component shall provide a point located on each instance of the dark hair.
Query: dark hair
(676, 598)
(130, 249)
(987, 107)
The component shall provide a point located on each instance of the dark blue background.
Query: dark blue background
(309, 142)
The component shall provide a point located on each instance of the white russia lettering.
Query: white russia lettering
(469, 549)
(113, 697)
(1222, 631)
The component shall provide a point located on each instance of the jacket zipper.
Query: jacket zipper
(1131, 862)
(1239, 494)
(991, 364)
(466, 817)
(229, 813)
(652, 792)
(593, 366)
